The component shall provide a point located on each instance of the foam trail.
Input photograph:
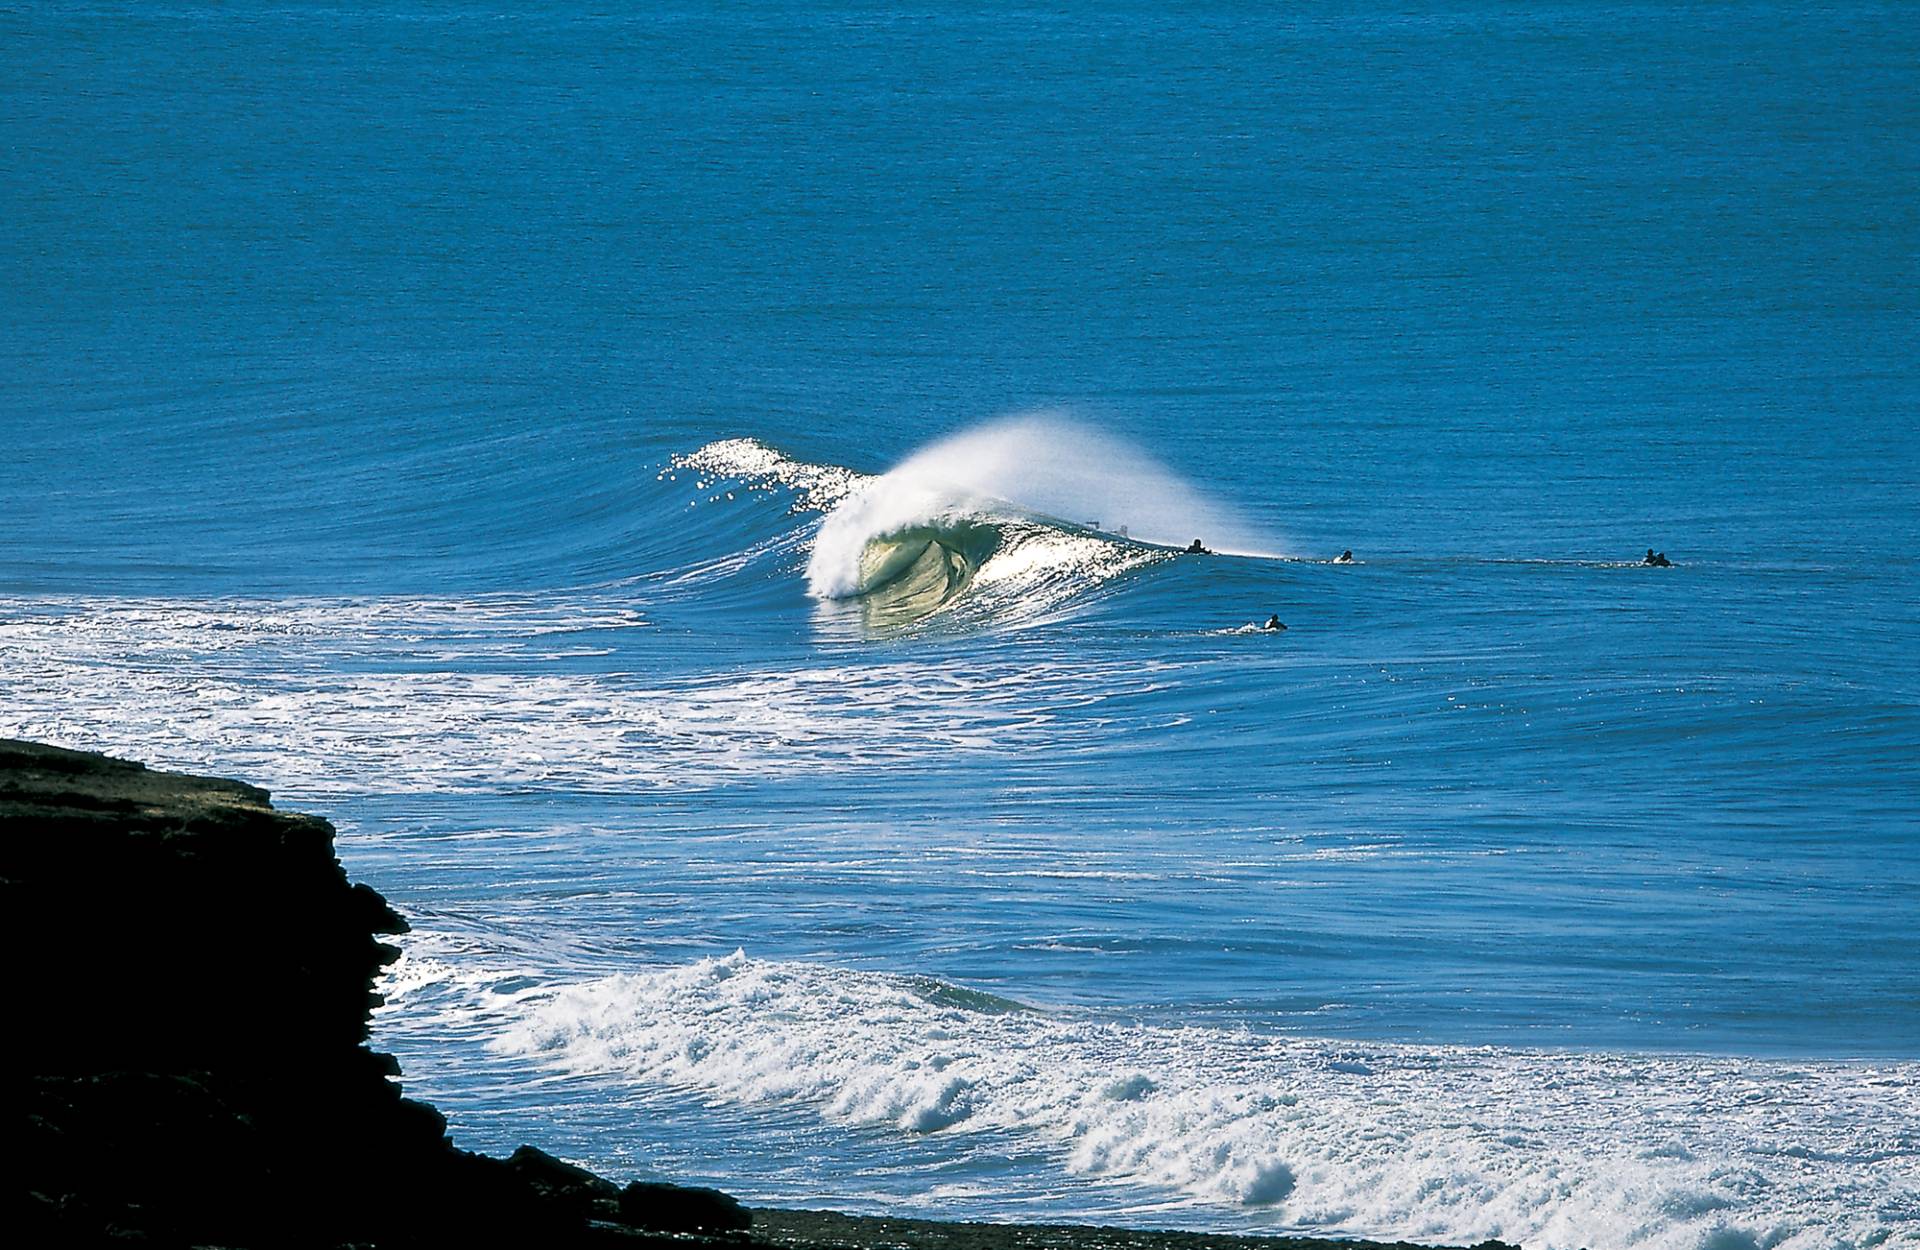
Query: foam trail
(1040, 465)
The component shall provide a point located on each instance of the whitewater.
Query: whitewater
(967, 629)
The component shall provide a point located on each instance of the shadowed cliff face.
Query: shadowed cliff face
(194, 979)
(218, 932)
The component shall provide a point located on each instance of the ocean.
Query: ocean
(697, 495)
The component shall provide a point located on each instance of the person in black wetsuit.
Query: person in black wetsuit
(1345, 557)
(1657, 560)
(1195, 548)
(1273, 623)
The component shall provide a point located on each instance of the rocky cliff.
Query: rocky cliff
(193, 975)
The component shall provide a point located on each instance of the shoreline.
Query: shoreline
(819, 1230)
(153, 1109)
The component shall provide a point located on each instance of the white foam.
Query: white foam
(344, 696)
(1435, 1143)
(815, 486)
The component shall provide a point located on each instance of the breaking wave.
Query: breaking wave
(1023, 513)
(1676, 1152)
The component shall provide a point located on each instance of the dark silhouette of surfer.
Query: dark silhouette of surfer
(1345, 557)
(1657, 560)
(1273, 623)
(1196, 548)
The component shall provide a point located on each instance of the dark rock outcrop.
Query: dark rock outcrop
(193, 974)
(681, 1209)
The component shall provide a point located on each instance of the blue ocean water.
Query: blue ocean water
(694, 492)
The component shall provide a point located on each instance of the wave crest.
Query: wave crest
(1035, 504)
(1016, 517)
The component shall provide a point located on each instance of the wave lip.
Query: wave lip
(815, 487)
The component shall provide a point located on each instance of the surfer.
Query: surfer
(1273, 623)
(1196, 548)
(1345, 557)
(1657, 560)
